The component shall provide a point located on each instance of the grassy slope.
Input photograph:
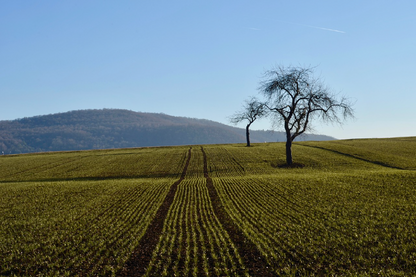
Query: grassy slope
(338, 215)
(391, 152)
(349, 210)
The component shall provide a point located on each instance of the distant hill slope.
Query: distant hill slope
(113, 128)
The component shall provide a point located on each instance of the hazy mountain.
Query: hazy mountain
(111, 128)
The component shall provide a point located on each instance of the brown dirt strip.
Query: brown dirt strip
(254, 261)
(140, 259)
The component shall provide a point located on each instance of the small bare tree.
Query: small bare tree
(252, 110)
(295, 97)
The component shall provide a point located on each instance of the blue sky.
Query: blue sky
(202, 59)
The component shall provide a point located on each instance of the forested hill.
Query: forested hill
(111, 128)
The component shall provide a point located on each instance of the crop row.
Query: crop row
(193, 242)
(314, 226)
(127, 163)
(196, 165)
(396, 152)
(261, 159)
(60, 228)
(86, 213)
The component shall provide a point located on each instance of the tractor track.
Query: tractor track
(140, 259)
(253, 260)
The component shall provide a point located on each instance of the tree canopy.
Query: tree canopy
(295, 98)
(252, 110)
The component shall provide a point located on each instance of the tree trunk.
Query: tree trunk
(248, 135)
(288, 149)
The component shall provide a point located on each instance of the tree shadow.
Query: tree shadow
(285, 165)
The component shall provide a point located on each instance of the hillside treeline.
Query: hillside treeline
(109, 128)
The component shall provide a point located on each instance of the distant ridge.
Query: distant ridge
(115, 128)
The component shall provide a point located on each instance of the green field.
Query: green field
(212, 210)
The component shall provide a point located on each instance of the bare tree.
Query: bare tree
(295, 98)
(252, 110)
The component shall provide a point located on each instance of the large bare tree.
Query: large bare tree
(295, 97)
(252, 110)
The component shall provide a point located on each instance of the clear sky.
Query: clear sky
(202, 59)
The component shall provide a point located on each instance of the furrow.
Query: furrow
(141, 257)
(253, 259)
(201, 247)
